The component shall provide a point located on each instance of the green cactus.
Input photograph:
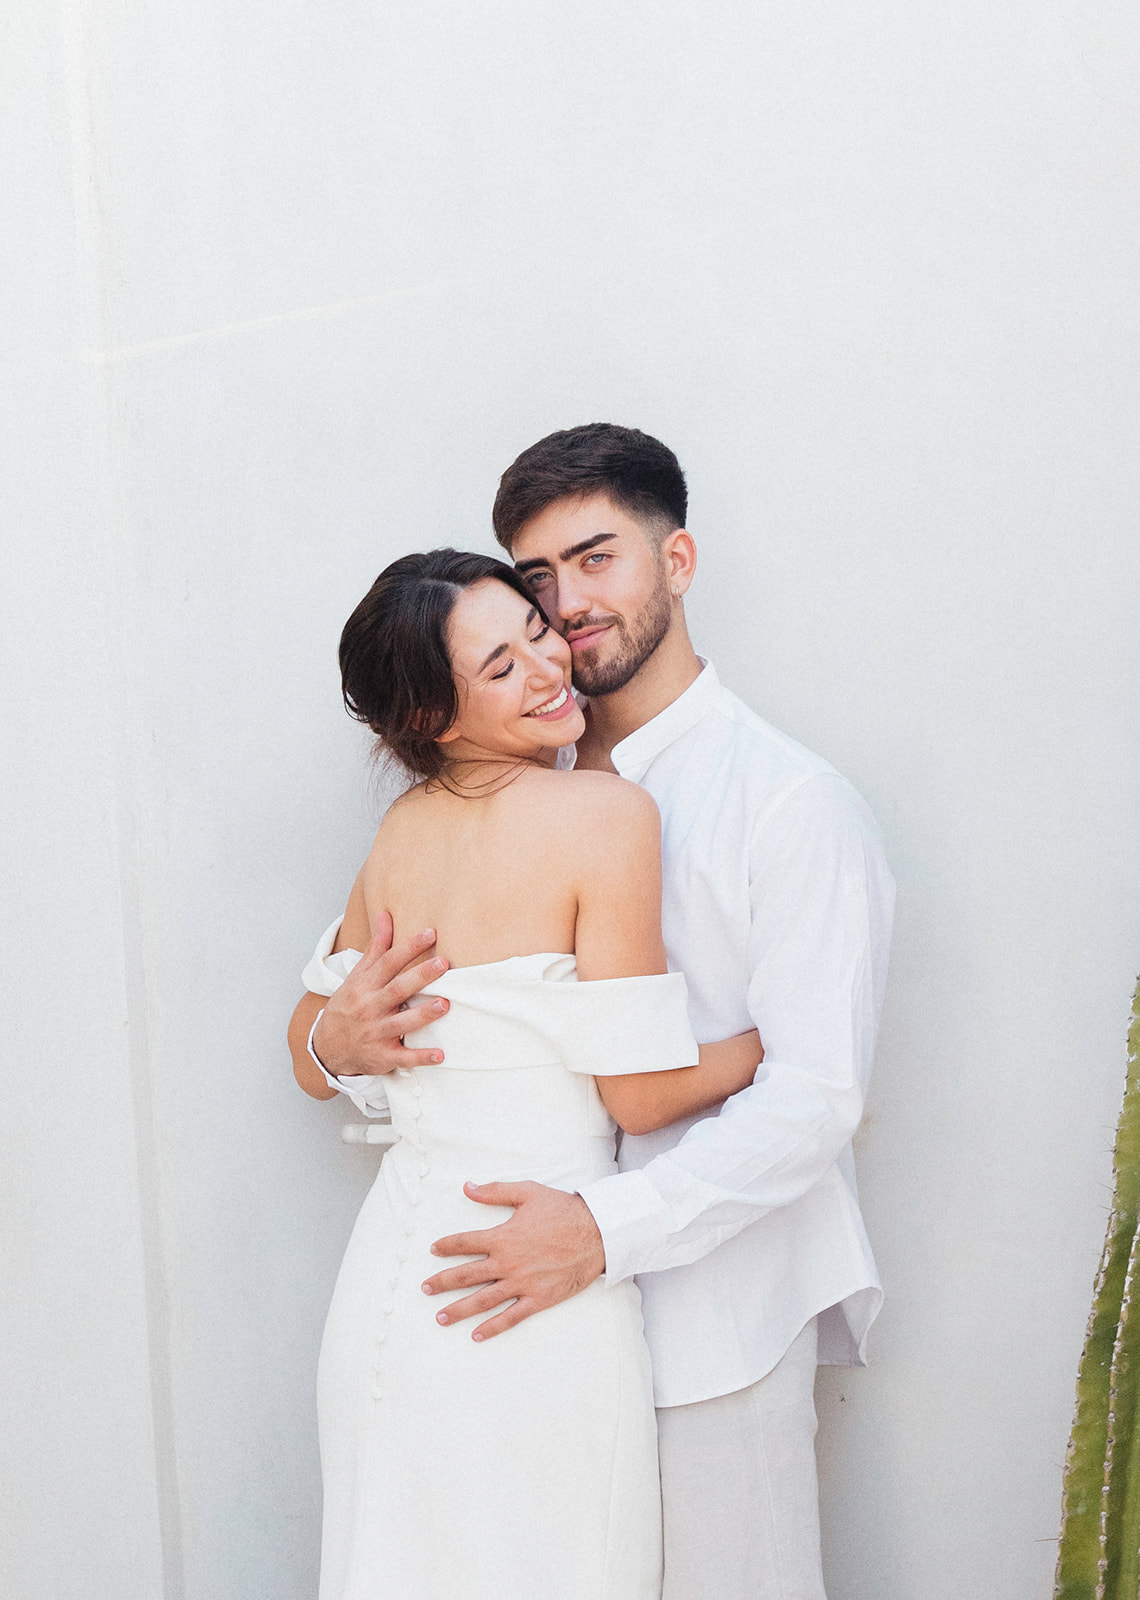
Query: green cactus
(1099, 1558)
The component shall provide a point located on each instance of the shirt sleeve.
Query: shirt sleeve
(323, 974)
(821, 901)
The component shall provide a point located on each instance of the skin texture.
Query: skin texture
(591, 885)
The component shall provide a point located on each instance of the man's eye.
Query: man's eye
(599, 556)
(506, 669)
(535, 579)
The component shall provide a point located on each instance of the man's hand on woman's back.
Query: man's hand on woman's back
(362, 1029)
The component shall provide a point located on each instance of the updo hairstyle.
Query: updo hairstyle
(395, 666)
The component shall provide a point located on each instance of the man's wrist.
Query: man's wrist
(333, 1077)
(589, 1225)
(315, 1052)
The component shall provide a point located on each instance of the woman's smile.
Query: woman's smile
(550, 710)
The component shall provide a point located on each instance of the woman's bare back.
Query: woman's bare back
(496, 875)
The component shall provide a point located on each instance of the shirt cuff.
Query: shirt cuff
(629, 1212)
(367, 1093)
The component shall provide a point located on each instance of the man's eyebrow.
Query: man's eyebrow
(501, 649)
(568, 554)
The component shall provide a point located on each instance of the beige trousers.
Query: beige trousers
(738, 1487)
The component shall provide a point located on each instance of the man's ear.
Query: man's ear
(679, 553)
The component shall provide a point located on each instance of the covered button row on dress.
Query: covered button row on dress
(388, 1303)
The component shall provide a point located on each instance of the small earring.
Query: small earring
(676, 592)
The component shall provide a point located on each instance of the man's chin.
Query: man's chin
(597, 678)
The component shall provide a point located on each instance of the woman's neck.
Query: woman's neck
(474, 776)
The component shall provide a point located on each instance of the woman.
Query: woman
(524, 1465)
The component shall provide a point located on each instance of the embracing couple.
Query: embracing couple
(635, 907)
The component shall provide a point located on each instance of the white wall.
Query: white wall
(290, 287)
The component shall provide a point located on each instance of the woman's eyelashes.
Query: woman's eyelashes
(541, 634)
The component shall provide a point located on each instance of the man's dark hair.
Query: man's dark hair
(638, 472)
(395, 666)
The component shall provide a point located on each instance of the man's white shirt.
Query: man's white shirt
(743, 1224)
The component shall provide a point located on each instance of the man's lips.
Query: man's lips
(588, 636)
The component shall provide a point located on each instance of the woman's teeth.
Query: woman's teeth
(550, 705)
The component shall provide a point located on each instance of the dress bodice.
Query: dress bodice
(530, 1011)
(523, 1041)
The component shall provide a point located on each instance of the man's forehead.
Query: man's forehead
(561, 530)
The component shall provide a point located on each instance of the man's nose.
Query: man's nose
(570, 603)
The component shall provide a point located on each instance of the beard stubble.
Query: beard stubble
(638, 639)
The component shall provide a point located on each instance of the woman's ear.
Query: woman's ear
(420, 721)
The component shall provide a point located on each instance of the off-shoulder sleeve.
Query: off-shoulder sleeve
(325, 972)
(610, 1026)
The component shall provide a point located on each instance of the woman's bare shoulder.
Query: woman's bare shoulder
(403, 817)
(596, 795)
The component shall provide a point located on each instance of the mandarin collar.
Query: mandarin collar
(632, 755)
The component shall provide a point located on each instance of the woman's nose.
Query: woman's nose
(544, 673)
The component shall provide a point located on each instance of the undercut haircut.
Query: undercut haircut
(638, 472)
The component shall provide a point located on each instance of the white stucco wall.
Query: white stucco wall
(290, 287)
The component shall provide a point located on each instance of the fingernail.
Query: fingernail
(437, 1058)
(434, 1252)
(442, 1317)
(439, 1005)
(438, 965)
(428, 936)
(427, 1288)
(478, 1338)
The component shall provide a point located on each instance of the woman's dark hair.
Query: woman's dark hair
(395, 667)
(638, 472)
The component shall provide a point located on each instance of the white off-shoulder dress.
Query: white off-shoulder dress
(524, 1466)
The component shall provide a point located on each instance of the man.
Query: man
(742, 1226)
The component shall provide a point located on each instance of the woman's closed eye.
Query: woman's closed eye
(541, 634)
